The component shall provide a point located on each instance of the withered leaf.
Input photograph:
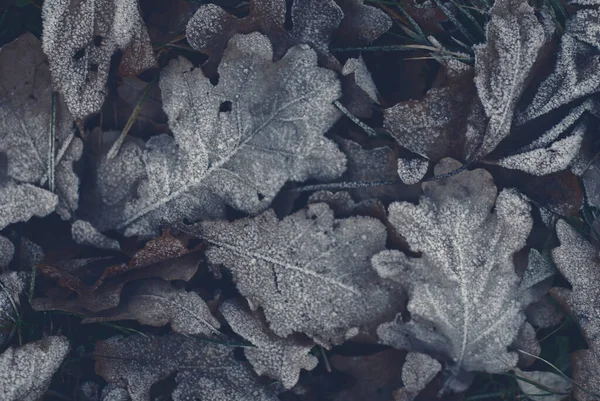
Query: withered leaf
(577, 70)
(12, 285)
(26, 372)
(26, 107)
(204, 370)
(579, 262)
(165, 257)
(309, 272)
(156, 302)
(273, 356)
(80, 38)
(464, 295)
(270, 131)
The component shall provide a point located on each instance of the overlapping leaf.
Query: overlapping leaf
(166, 257)
(237, 142)
(468, 120)
(204, 370)
(464, 295)
(310, 273)
(313, 23)
(80, 37)
(26, 372)
(279, 358)
(579, 262)
(38, 177)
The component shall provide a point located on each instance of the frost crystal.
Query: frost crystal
(26, 372)
(464, 296)
(554, 387)
(80, 38)
(279, 358)
(310, 273)
(412, 171)
(314, 22)
(362, 24)
(204, 370)
(579, 262)
(25, 118)
(240, 140)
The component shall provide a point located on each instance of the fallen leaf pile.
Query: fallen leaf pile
(246, 195)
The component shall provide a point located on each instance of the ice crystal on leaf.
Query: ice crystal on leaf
(577, 70)
(310, 273)
(470, 111)
(26, 372)
(204, 370)
(238, 141)
(279, 358)
(80, 37)
(314, 22)
(26, 109)
(464, 295)
(11, 286)
(579, 262)
(502, 65)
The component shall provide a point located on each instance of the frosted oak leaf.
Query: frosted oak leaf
(204, 371)
(279, 358)
(314, 22)
(26, 372)
(80, 37)
(39, 177)
(464, 296)
(310, 273)
(579, 262)
(237, 142)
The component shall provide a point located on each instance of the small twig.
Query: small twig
(51, 140)
(354, 119)
(114, 150)
(368, 184)
(325, 359)
(559, 372)
(344, 185)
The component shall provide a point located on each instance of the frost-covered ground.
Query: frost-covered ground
(299, 200)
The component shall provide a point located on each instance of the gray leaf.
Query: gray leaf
(577, 70)
(418, 371)
(464, 294)
(502, 65)
(26, 372)
(156, 302)
(204, 370)
(22, 202)
(80, 38)
(7, 251)
(310, 273)
(276, 357)
(579, 262)
(273, 133)
(84, 233)
(552, 386)
(25, 120)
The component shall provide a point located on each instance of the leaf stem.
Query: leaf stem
(114, 150)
